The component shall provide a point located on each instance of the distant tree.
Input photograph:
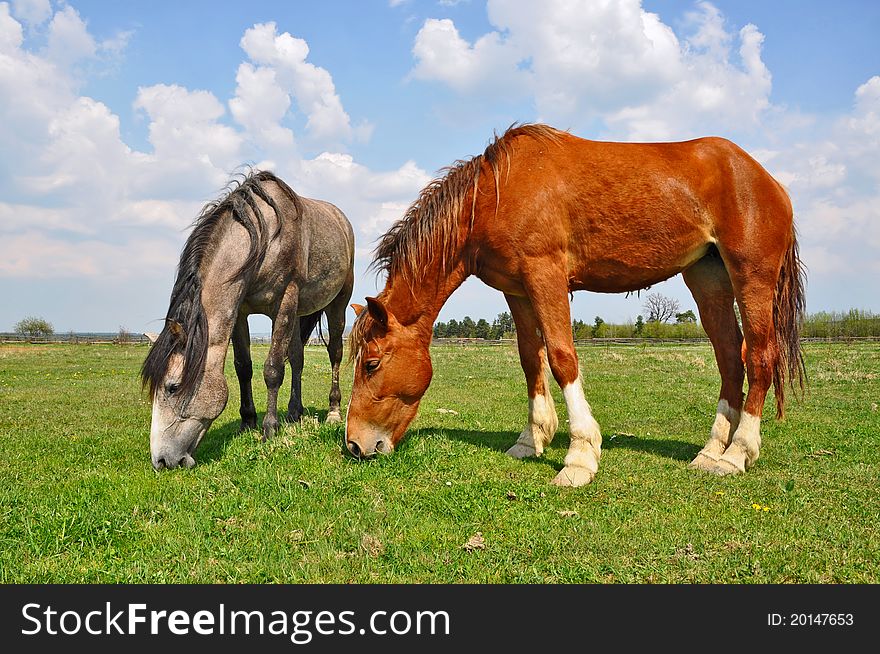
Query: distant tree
(580, 330)
(598, 328)
(640, 325)
(482, 328)
(453, 329)
(468, 328)
(685, 317)
(33, 327)
(440, 330)
(503, 324)
(124, 336)
(660, 308)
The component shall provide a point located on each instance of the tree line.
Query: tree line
(663, 318)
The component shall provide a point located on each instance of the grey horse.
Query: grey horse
(261, 248)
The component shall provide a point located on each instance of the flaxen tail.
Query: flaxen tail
(789, 304)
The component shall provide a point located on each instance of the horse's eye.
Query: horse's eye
(171, 388)
(372, 365)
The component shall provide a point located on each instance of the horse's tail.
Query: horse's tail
(307, 326)
(789, 304)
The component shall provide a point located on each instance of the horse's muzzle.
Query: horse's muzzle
(171, 462)
(369, 445)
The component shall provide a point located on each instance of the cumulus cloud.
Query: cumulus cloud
(442, 54)
(32, 12)
(69, 41)
(78, 201)
(282, 65)
(613, 61)
(833, 180)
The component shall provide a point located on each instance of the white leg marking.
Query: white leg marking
(744, 448)
(582, 459)
(726, 421)
(540, 430)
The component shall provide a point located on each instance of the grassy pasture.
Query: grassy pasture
(79, 501)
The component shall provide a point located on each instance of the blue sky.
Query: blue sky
(118, 120)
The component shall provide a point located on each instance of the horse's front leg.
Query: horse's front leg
(543, 421)
(547, 288)
(244, 370)
(285, 326)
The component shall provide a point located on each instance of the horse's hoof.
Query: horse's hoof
(294, 416)
(704, 462)
(269, 430)
(726, 467)
(573, 476)
(334, 417)
(520, 451)
(246, 427)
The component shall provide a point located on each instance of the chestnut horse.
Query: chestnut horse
(542, 213)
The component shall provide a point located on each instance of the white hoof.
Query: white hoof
(521, 451)
(334, 417)
(703, 461)
(573, 476)
(728, 466)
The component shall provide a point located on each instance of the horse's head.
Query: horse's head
(183, 408)
(392, 371)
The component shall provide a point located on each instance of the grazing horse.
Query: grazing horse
(259, 249)
(542, 213)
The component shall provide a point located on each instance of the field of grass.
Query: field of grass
(79, 501)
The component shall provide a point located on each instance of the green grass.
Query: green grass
(79, 501)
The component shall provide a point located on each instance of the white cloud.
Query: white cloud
(10, 31)
(613, 61)
(311, 86)
(32, 12)
(185, 124)
(35, 255)
(442, 54)
(259, 106)
(833, 180)
(78, 202)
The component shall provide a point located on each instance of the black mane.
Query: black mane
(185, 309)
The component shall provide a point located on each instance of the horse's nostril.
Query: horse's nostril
(160, 463)
(380, 446)
(354, 449)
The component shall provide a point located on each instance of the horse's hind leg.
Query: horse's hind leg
(244, 370)
(296, 356)
(755, 294)
(710, 285)
(335, 312)
(541, 428)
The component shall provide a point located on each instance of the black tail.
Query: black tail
(307, 325)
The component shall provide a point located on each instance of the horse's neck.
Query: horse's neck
(418, 304)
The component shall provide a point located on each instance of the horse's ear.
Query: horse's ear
(357, 309)
(152, 336)
(378, 312)
(177, 331)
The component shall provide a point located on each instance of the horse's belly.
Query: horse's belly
(323, 285)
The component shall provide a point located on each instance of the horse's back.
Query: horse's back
(624, 215)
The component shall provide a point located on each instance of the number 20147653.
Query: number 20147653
(810, 619)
